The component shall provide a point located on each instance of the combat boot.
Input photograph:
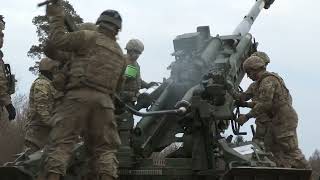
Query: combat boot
(106, 177)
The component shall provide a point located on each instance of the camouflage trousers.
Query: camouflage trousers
(36, 138)
(87, 113)
(285, 149)
(262, 133)
(283, 135)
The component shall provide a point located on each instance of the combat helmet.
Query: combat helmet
(253, 63)
(262, 55)
(136, 45)
(87, 26)
(110, 16)
(47, 64)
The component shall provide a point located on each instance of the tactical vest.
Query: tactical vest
(99, 66)
(282, 96)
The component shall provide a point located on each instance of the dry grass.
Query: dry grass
(12, 133)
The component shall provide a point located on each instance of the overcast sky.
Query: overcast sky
(288, 32)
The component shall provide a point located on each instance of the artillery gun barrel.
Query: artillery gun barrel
(245, 25)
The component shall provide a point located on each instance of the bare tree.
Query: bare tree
(314, 160)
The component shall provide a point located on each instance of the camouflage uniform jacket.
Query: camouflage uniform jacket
(252, 93)
(5, 98)
(274, 99)
(133, 85)
(41, 101)
(97, 62)
(59, 80)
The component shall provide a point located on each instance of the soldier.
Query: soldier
(133, 82)
(41, 104)
(95, 73)
(5, 99)
(59, 79)
(263, 120)
(273, 98)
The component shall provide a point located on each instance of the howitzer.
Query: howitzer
(206, 71)
(213, 65)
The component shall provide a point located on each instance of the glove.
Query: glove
(244, 104)
(182, 103)
(143, 101)
(126, 96)
(152, 84)
(241, 103)
(55, 9)
(11, 111)
(242, 119)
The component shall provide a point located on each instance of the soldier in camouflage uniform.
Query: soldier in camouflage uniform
(5, 99)
(133, 82)
(263, 120)
(94, 75)
(41, 104)
(60, 77)
(273, 98)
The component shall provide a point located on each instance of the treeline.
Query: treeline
(315, 163)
